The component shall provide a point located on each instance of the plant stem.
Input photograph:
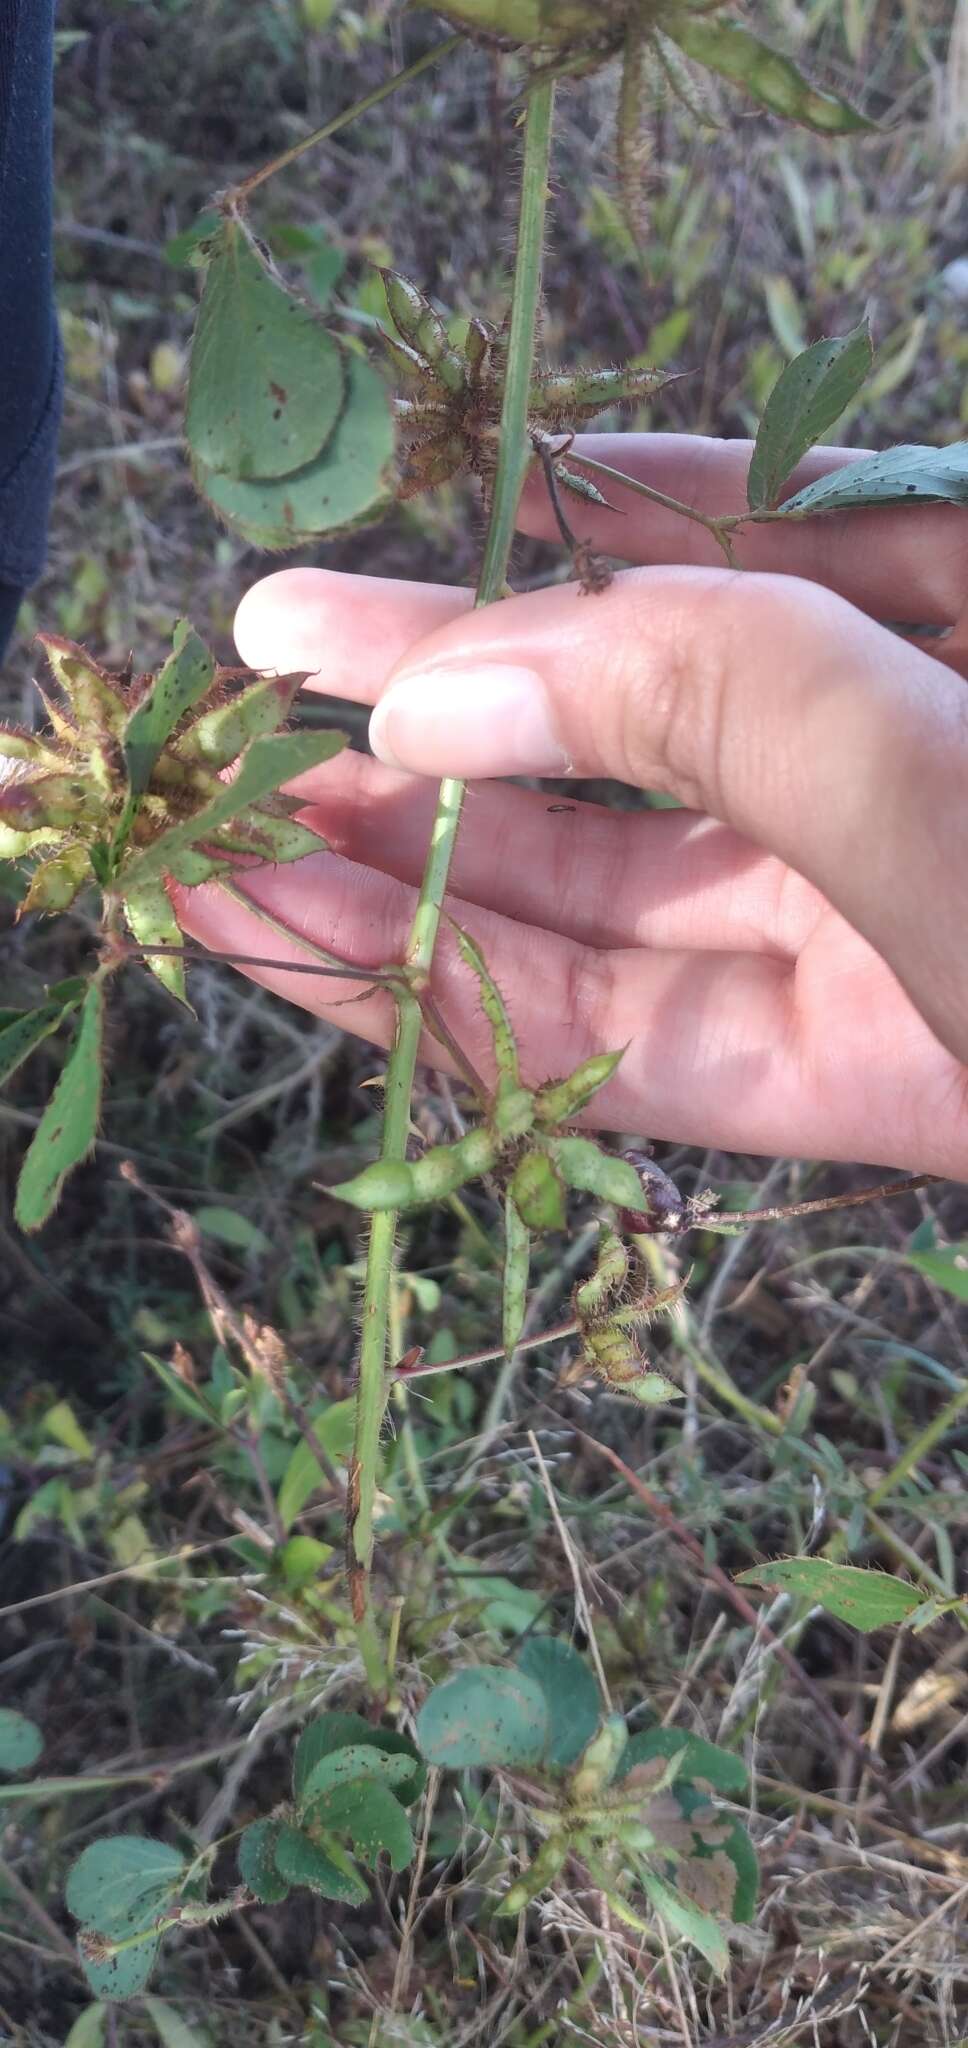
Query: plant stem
(514, 454)
(372, 99)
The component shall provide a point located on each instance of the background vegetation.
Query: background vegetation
(153, 1623)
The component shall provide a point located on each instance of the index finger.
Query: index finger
(900, 565)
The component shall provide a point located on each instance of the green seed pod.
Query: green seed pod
(400, 1184)
(595, 1296)
(556, 400)
(434, 462)
(581, 487)
(517, 1265)
(598, 1763)
(535, 23)
(406, 305)
(537, 1193)
(495, 1010)
(558, 1102)
(413, 372)
(585, 1166)
(56, 800)
(512, 1114)
(542, 1872)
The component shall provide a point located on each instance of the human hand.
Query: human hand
(787, 958)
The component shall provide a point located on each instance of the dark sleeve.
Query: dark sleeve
(30, 359)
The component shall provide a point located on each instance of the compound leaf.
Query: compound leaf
(267, 382)
(68, 1127)
(810, 395)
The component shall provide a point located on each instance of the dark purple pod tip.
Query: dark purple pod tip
(667, 1209)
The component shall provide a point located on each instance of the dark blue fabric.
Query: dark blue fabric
(30, 358)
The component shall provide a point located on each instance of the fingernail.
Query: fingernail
(471, 722)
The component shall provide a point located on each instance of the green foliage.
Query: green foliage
(257, 1862)
(267, 381)
(289, 430)
(21, 1741)
(118, 1890)
(811, 394)
(636, 1810)
(865, 1599)
(899, 476)
(734, 53)
(484, 1717)
(21, 1031)
(68, 1127)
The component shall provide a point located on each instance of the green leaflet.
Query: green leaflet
(267, 382)
(727, 48)
(865, 1599)
(20, 1741)
(29, 1028)
(68, 1126)
(119, 1876)
(300, 1861)
(368, 1812)
(899, 476)
(484, 1717)
(153, 923)
(334, 1732)
(257, 1862)
(268, 763)
(355, 1764)
(348, 483)
(571, 1696)
(125, 1974)
(811, 394)
(699, 1760)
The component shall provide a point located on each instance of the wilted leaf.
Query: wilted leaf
(898, 476)
(484, 1717)
(20, 1741)
(734, 53)
(345, 485)
(865, 1599)
(811, 394)
(267, 381)
(68, 1127)
(571, 1696)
